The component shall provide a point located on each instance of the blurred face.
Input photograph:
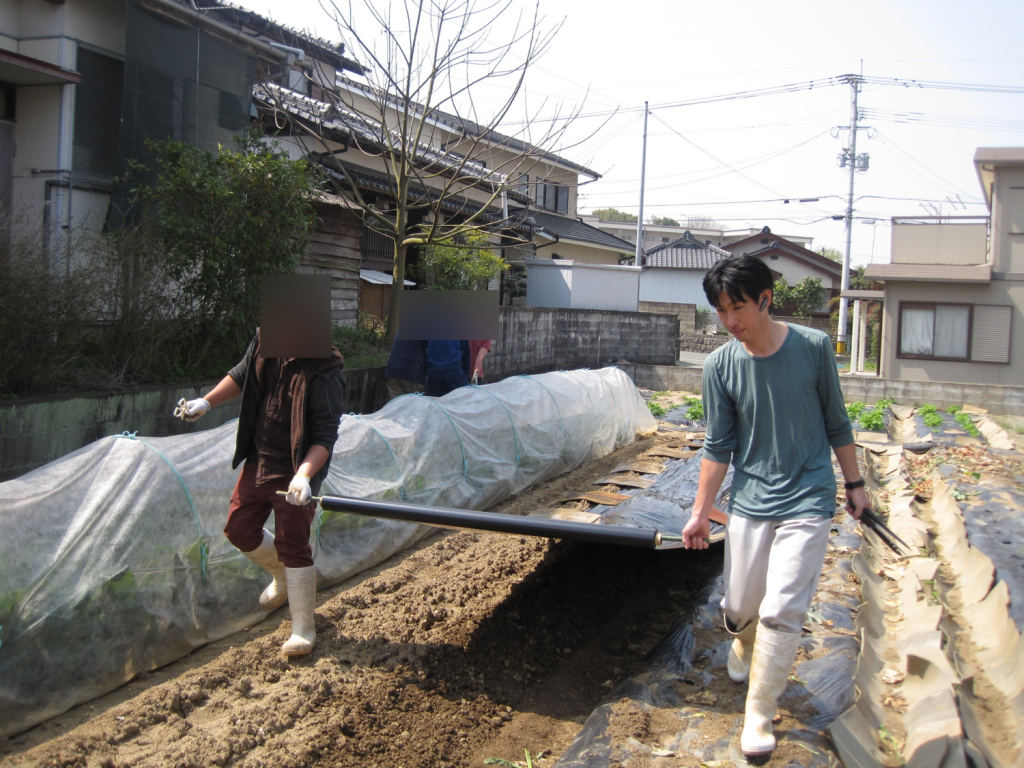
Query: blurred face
(744, 318)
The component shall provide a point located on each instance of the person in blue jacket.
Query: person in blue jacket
(406, 371)
(448, 366)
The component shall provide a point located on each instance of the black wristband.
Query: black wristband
(854, 484)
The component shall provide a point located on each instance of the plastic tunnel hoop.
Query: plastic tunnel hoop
(554, 399)
(398, 468)
(204, 547)
(462, 446)
(494, 522)
(515, 432)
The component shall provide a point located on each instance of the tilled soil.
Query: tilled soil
(466, 647)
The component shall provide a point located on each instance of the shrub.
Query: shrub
(224, 220)
(46, 306)
(365, 345)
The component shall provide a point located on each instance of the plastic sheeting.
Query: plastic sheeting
(113, 562)
(669, 689)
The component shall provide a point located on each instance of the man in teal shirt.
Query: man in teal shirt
(774, 408)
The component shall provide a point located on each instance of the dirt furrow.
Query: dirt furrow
(470, 646)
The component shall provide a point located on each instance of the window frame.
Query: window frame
(901, 355)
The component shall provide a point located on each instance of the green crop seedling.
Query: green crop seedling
(696, 409)
(656, 410)
(854, 410)
(967, 424)
(872, 421)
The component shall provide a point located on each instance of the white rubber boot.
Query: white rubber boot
(265, 556)
(741, 652)
(774, 652)
(302, 601)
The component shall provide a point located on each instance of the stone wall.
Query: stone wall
(698, 342)
(687, 313)
(539, 339)
(1003, 400)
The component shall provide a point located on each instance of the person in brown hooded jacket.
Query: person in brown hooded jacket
(287, 427)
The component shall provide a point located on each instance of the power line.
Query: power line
(937, 84)
(949, 185)
(945, 121)
(806, 85)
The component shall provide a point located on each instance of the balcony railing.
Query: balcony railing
(959, 240)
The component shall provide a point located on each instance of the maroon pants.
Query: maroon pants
(251, 505)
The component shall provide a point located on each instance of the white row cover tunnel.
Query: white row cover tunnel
(113, 559)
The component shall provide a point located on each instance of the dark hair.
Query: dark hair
(741, 278)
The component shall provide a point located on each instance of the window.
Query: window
(7, 93)
(553, 197)
(967, 332)
(523, 184)
(97, 114)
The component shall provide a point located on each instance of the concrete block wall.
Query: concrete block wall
(539, 339)
(687, 313)
(694, 342)
(531, 340)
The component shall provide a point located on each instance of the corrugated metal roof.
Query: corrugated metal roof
(931, 273)
(379, 278)
(686, 252)
(575, 230)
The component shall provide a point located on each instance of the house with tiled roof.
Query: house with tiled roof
(792, 262)
(671, 281)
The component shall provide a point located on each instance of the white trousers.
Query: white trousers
(772, 570)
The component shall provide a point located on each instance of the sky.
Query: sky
(736, 160)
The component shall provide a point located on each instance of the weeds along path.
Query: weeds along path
(468, 646)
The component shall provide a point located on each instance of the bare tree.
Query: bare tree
(702, 222)
(419, 118)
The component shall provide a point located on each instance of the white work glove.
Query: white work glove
(192, 409)
(299, 493)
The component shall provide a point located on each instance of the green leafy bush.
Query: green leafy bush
(932, 420)
(364, 346)
(224, 218)
(924, 409)
(953, 410)
(462, 264)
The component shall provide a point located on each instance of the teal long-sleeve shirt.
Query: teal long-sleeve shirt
(775, 419)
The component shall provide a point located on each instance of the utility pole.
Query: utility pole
(850, 158)
(640, 218)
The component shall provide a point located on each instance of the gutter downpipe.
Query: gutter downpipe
(298, 53)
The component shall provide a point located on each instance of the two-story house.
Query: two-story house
(954, 290)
